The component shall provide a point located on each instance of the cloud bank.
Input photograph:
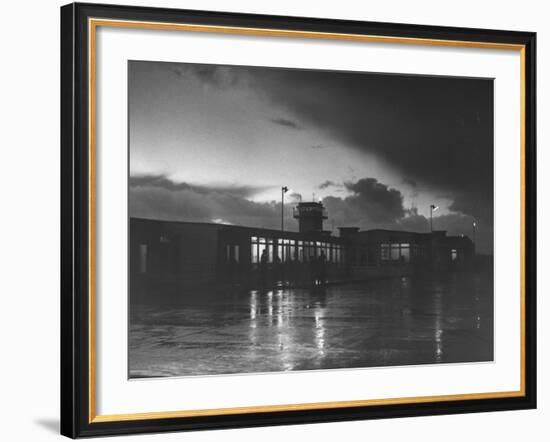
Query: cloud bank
(370, 204)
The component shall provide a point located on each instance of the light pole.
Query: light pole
(433, 208)
(474, 225)
(284, 190)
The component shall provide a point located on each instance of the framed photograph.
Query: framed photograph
(279, 220)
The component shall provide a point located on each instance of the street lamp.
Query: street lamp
(433, 208)
(474, 225)
(284, 190)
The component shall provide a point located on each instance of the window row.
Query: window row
(395, 252)
(288, 250)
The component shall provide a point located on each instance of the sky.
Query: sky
(215, 143)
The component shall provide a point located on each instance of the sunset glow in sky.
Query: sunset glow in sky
(216, 143)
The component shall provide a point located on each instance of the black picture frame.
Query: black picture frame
(75, 221)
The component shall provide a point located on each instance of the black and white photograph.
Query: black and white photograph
(291, 219)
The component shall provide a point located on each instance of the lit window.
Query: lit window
(395, 252)
(261, 249)
(384, 252)
(405, 255)
(454, 255)
(292, 255)
(270, 250)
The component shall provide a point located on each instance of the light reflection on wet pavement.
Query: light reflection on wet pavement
(388, 322)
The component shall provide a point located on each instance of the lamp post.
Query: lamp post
(474, 225)
(433, 208)
(284, 190)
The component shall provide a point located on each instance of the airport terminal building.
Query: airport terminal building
(172, 254)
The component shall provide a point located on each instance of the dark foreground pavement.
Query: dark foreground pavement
(447, 318)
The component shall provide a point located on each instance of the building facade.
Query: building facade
(166, 256)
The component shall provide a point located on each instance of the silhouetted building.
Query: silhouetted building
(382, 253)
(168, 255)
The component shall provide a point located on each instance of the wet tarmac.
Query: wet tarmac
(403, 321)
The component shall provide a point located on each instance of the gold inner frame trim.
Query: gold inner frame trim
(93, 24)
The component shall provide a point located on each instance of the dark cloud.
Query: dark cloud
(375, 206)
(286, 123)
(382, 203)
(326, 184)
(371, 205)
(436, 131)
(157, 197)
(413, 222)
(477, 206)
(319, 146)
(162, 182)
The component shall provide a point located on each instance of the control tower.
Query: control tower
(310, 217)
